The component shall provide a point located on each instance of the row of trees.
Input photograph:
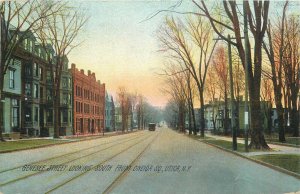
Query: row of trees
(55, 24)
(130, 103)
(197, 64)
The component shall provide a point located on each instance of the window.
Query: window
(27, 89)
(70, 118)
(39, 52)
(15, 113)
(49, 115)
(41, 73)
(64, 116)
(65, 99)
(77, 106)
(25, 43)
(70, 82)
(28, 114)
(65, 82)
(41, 92)
(36, 114)
(31, 46)
(48, 77)
(70, 99)
(35, 69)
(28, 70)
(35, 91)
(11, 78)
(49, 95)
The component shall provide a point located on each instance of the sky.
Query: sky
(121, 49)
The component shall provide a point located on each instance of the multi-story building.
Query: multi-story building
(109, 113)
(28, 92)
(66, 102)
(89, 102)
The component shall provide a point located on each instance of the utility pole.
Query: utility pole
(1, 82)
(232, 100)
(246, 117)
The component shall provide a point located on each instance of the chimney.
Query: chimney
(99, 82)
(93, 74)
(82, 71)
(73, 66)
(89, 72)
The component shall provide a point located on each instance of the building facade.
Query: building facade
(66, 100)
(109, 113)
(89, 102)
(12, 91)
(28, 86)
(214, 115)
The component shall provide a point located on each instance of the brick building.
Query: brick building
(89, 102)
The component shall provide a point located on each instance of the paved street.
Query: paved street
(143, 162)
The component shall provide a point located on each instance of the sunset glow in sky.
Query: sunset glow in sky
(121, 49)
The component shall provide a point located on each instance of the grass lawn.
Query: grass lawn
(22, 144)
(287, 161)
(226, 144)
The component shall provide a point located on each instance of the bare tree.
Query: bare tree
(212, 92)
(257, 17)
(178, 90)
(219, 64)
(274, 51)
(140, 111)
(291, 61)
(61, 31)
(123, 100)
(192, 45)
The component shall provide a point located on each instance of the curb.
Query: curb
(282, 170)
(67, 142)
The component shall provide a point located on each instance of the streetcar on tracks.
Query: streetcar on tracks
(151, 126)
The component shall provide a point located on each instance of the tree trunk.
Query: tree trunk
(237, 118)
(194, 120)
(181, 123)
(269, 118)
(56, 106)
(202, 121)
(294, 117)
(257, 137)
(190, 119)
(225, 113)
(1, 109)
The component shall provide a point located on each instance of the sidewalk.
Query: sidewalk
(278, 149)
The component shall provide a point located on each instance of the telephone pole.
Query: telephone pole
(246, 117)
(232, 100)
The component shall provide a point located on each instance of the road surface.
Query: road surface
(162, 161)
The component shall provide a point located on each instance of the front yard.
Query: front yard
(27, 144)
